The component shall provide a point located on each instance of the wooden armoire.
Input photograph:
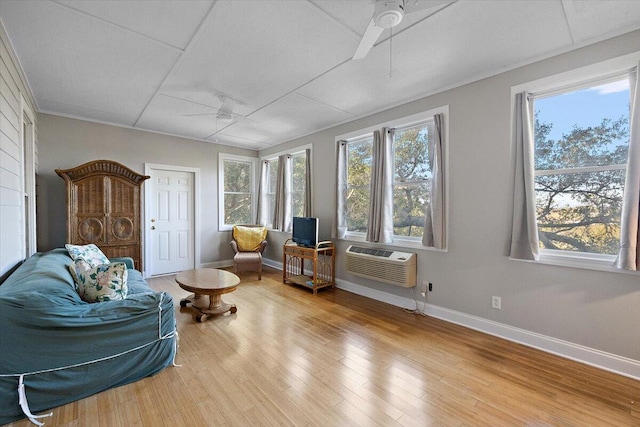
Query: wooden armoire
(103, 207)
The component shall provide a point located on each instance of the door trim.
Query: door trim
(148, 168)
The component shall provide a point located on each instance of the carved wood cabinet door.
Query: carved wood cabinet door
(103, 207)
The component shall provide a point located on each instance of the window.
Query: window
(581, 144)
(298, 183)
(358, 183)
(411, 179)
(405, 186)
(297, 193)
(235, 190)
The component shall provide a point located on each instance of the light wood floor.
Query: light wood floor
(288, 357)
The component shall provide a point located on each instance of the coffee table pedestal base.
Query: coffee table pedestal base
(215, 305)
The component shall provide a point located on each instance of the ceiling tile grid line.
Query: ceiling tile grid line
(115, 25)
(196, 35)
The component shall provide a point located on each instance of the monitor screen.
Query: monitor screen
(305, 231)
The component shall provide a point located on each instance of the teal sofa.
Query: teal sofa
(62, 349)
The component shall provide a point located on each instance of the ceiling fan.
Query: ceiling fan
(225, 113)
(388, 14)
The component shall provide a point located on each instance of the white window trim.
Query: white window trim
(292, 152)
(252, 187)
(28, 181)
(563, 82)
(404, 122)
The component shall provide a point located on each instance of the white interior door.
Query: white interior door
(171, 220)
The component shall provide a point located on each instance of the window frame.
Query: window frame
(298, 151)
(399, 123)
(426, 122)
(576, 79)
(222, 158)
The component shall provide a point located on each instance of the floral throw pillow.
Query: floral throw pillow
(90, 253)
(105, 282)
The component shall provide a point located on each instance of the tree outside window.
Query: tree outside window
(412, 179)
(358, 183)
(298, 184)
(581, 146)
(236, 190)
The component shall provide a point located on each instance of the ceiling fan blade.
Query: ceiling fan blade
(199, 114)
(411, 6)
(368, 40)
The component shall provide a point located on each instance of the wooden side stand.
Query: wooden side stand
(323, 258)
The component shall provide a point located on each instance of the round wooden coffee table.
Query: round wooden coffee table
(207, 281)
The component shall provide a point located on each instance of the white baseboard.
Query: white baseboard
(589, 356)
(217, 264)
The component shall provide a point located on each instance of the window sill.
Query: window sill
(581, 260)
(402, 244)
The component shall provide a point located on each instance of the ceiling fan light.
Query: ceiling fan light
(224, 117)
(388, 13)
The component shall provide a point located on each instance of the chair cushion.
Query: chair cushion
(249, 238)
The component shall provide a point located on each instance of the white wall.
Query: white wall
(65, 143)
(580, 313)
(13, 89)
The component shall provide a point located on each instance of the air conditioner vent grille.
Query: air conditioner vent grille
(370, 251)
(393, 267)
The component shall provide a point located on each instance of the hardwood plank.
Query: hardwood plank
(289, 358)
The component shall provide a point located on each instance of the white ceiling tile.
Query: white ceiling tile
(194, 120)
(256, 52)
(590, 19)
(170, 22)
(85, 62)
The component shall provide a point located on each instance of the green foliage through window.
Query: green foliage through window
(580, 171)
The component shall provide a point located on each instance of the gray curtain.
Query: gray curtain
(434, 224)
(339, 229)
(307, 184)
(628, 255)
(524, 232)
(282, 213)
(262, 214)
(380, 226)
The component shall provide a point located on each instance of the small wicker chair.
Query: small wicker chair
(245, 259)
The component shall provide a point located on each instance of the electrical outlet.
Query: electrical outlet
(496, 302)
(430, 287)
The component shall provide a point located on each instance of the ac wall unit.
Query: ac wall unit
(392, 267)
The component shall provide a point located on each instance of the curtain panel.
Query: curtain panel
(434, 226)
(524, 230)
(628, 256)
(282, 213)
(380, 225)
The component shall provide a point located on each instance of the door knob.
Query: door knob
(153, 227)
(153, 220)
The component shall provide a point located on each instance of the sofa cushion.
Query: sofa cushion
(90, 253)
(105, 282)
(249, 238)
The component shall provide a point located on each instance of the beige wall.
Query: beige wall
(13, 90)
(65, 143)
(597, 310)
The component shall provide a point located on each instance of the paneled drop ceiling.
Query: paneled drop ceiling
(167, 66)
